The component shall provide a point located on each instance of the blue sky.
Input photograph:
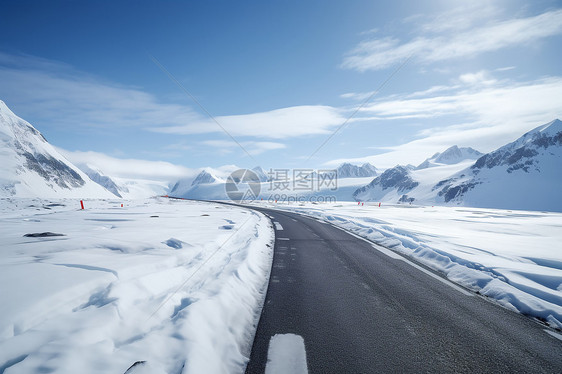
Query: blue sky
(280, 77)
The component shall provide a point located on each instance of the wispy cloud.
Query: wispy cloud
(463, 16)
(454, 37)
(495, 103)
(254, 148)
(481, 77)
(275, 124)
(482, 116)
(58, 93)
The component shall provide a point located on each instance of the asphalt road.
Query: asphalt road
(360, 310)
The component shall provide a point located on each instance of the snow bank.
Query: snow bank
(513, 257)
(155, 286)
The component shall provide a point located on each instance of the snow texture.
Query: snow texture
(151, 287)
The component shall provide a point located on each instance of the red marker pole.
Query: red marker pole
(379, 205)
(82, 204)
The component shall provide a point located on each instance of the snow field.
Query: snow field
(513, 257)
(176, 284)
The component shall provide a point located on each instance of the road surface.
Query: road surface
(365, 310)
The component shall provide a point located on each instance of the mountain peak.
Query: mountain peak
(204, 177)
(452, 155)
(5, 110)
(348, 170)
(31, 167)
(262, 175)
(553, 127)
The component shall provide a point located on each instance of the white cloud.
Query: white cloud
(57, 93)
(454, 42)
(253, 148)
(482, 77)
(275, 124)
(129, 168)
(492, 115)
(463, 16)
(526, 102)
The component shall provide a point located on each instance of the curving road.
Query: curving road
(361, 309)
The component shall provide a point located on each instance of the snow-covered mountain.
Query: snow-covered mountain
(398, 180)
(103, 180)
(201, 187)
(31, 167)
(262, 175)
(204, 177)
(524, 174)
(347, 170)
(452, 155)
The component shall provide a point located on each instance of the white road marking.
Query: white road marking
(277, 226)
(283, 239)
(552, 333)
(286, 354)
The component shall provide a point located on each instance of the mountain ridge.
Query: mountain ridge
(31, 167)
(523, 174)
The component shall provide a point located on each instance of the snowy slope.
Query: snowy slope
(405, 185)
(525, 174)
(31, 167)
(391, 184)
(103, 180)
(207, 185)
(134, 188)
(262, 175)
(205, 177)
(127, 188)
(452, 155)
